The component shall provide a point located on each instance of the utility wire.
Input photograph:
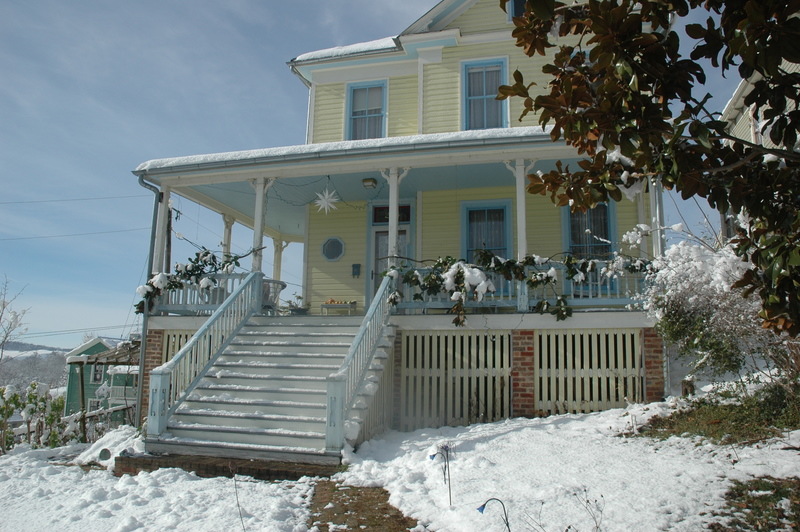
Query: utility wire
(73, 234)
(72, 199)
(70, 331)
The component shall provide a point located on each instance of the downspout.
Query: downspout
(146, 313)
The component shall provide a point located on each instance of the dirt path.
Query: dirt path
(335, 506)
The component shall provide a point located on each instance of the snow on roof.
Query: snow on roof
(123, 370)
(381, 45)
(331, 147)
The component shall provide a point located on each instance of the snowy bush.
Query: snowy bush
(691, 298)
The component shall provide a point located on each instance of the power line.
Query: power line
(73, 234)
(72, 331)
(72, 199)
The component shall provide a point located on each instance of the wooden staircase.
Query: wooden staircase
(265, 396)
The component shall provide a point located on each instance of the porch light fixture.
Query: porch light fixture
(369, 182)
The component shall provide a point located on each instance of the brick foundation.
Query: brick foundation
(653, 354)
(152, 359)
(523, 364)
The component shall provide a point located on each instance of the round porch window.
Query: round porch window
(333, 249)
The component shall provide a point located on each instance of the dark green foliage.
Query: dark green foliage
(761, 504)
(623, 84)
(765, 414)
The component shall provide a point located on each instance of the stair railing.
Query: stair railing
(170, 383)
(344, 384)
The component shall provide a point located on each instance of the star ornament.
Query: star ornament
(327, 200)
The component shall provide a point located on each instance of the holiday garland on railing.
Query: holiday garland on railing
(465, 282)
(199, 270)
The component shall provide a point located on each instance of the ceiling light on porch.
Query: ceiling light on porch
(369, 182)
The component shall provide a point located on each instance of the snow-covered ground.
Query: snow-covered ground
(542, 470)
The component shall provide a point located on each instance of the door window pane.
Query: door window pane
(486, 229)
(589, 233)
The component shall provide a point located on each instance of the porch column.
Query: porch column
(162, 227)
(227, 232)
(277, 257)
(393, 178)
(261, 186)
(520, 171)
(657, 212)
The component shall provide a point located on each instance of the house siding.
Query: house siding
(484, 16)
(403, 104)
(333, 279)
(441, 218)
(329, 108)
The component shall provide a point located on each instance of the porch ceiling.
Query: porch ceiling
(222, 182)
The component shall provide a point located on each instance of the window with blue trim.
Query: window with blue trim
(486, 228)
(482, 109)
(589, 233)
(367, 111)
(517, 8)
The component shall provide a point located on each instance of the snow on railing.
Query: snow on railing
(346, 382)
(504, 294)
(192, 299)
(172, 381)
(597, 287)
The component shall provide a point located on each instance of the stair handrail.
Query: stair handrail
(171, 382)
(343, 385)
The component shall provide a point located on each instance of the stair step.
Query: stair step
(271, 368)
(236, 435)
(267, 381)
(226, 392)
(296, 347)
(305, 321)
(300, 408)
(279, 357)
(247, 420)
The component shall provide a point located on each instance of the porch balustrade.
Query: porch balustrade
(192, 300)
(596, 289)
(122, 394)
(343, 385)
(170, 383)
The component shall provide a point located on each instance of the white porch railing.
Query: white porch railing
(345, 383)
(191, 299)
(122, 395)
(505, 295)
(595, 290)
(171, 382)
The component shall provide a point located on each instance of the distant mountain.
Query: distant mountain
(24, 363)
(23, 347)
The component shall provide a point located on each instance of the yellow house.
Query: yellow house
(409, 158)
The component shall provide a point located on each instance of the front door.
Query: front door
(380, 247)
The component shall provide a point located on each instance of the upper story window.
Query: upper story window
(367, 111)
(97, 373)
(481, 109)
(516, 8)
(590, 233)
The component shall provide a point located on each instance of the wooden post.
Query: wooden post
(82, 394)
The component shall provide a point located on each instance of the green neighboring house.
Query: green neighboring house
(103, 374)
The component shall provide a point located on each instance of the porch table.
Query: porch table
(325, 308)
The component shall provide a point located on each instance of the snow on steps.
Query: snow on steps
(266, 394)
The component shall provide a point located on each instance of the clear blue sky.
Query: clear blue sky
(90, 89)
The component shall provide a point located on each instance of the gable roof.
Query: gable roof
(439, 16)
(435, 20)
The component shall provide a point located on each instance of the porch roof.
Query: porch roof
(464, 159)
